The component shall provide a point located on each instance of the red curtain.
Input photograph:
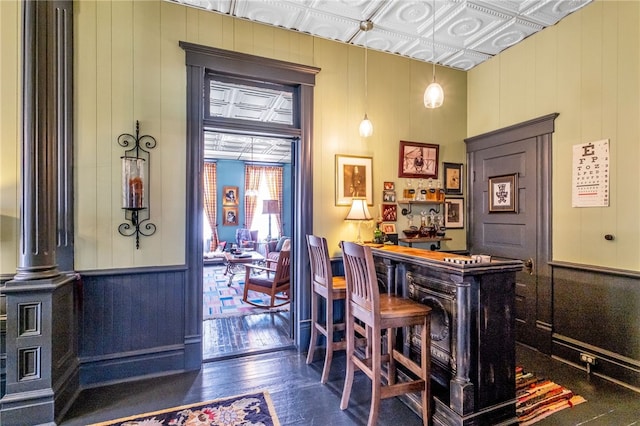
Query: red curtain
(210, 201)
(251, 183)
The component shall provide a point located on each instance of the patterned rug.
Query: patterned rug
(221, 300)
(253, 409)
(538, 398)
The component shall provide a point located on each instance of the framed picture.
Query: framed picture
(229, 195)
(388, 228)
(503, 194)
(418, 160)
(389, 196)
(452, 177)
(454, 213)
(389, 186)
(230, 216)
(389, 212)
(354, 178)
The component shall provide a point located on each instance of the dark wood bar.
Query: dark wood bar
(472, 330)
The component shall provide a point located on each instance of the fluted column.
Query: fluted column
(42, 373)
(37, 258)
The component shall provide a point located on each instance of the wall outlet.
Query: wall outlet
(589, 359)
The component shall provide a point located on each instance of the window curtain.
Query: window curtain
(251, 182)
(273, 176)
(210, 201)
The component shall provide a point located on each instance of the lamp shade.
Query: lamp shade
(270, 207)
(366, 127)
(358, 210)
(434, 95)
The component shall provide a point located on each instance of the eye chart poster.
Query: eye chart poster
(591, 174)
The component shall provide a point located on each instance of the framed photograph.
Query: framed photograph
(230, 216)
(452, 177)
(229, 195)
(388, 228)
(389, 186)
(503, 194)
(354, 178)
(389, 212)
(418, 160)
(389, 196)
(454, 213)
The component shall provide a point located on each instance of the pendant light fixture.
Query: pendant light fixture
(251, 192)
(366, 127)
(434, 95)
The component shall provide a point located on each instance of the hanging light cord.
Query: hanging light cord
(433, 41)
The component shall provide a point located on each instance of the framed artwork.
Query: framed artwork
(454, 213)
(388, 228)
(354, 178)
(503, 194)
(418, 160)
(452, 177)
(389, 212)
(229, 195)
(230, 216)
(389, 186)
(389, 196)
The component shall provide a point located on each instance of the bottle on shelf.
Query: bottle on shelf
(431, 193)
(440, 192)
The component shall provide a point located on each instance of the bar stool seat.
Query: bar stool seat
(382, 313)
(324, 285)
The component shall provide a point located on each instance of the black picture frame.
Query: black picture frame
(453, 178)
(454, 213)
(503, 193)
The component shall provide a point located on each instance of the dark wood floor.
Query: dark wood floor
(300, 399)
(249, 334)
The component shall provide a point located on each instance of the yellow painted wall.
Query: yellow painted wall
(9, 134)
(129, 67)
(587, 68)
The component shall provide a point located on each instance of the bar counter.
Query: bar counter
(472, 329)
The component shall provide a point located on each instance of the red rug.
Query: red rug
(538, 398)
(253, 409)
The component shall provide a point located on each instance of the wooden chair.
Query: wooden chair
(325, 285)
(377, 313)
(275, 283)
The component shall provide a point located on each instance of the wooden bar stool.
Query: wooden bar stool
(377, 313)
(324, 284)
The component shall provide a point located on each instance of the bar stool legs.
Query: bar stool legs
(380, 313)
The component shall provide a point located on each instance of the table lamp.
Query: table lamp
(359, 212)
(270, 207)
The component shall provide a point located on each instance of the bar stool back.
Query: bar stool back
(377, 313)
(325, 285)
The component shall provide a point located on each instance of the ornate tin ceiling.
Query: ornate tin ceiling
(467, 32)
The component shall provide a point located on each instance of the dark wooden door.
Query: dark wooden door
(524, 152)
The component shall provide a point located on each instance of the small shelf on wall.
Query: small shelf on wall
(410, 203)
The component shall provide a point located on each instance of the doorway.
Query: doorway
(257, 171)
(521, 152)
(201, 63)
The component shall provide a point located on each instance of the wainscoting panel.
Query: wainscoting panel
(597, 312)
(132, 323)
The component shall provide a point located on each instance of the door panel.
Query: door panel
(525, 149)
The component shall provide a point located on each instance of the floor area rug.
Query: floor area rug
(221, 300)
(252, 409)
(537, 397)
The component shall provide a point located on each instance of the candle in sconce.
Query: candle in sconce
(132, 183)
(135, 192)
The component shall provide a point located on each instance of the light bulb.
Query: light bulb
(366, 127)
(433, 96)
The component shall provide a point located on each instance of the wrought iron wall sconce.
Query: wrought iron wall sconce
(135, 185)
